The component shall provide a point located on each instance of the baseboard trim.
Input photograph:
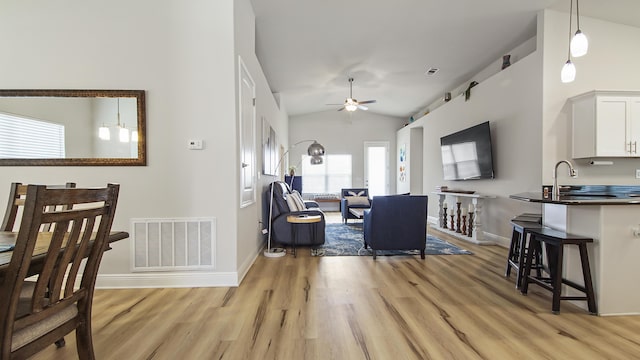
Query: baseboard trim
(244, 268)
(498, 240)
(166, 280)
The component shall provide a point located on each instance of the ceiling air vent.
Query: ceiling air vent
(431, 71)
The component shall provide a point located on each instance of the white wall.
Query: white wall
(511, 101)
(345, 133)
(182, 54)
(250, 223)
(611, 64)
(520, 52)
(403, 140)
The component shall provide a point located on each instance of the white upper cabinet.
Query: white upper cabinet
(606, 124)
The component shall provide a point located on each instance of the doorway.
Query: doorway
(247, 140)
(376, 167)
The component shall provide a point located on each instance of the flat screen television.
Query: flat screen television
(466, 154)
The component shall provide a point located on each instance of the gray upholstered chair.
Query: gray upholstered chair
(396, 222)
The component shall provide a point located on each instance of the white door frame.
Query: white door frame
(386, 145)
(247, 135)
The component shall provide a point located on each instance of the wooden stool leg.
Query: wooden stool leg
(539, 260)
(533, 250)
(524, 249)
(515, 239)
(557, 281)
(586, 273)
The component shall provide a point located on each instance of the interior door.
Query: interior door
(376, 167)
(247, 137)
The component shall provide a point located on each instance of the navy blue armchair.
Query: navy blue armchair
(396, 222)
(354, 198)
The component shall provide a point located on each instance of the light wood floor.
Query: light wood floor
(443, 307)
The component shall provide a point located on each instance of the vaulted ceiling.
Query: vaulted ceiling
(309, 48)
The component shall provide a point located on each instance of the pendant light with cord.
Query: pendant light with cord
(579, 42)
(568, 73)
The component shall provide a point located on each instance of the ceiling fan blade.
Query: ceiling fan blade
(342, 108)
(335, 104)
(361, 107)
(366, 102)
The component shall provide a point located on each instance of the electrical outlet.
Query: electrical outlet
(265, 231)
(637, 173)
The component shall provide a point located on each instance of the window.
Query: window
(24, 138)
(329, 177)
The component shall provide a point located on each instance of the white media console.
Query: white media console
(458, 208)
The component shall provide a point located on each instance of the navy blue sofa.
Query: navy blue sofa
(281, 231)
(396, 222)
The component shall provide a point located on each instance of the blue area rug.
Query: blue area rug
(348, 240)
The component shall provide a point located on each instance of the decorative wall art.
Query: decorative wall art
(402, 170)
(269, 149)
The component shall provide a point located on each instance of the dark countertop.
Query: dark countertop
(588, 195)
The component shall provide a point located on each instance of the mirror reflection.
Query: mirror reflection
(72, 127)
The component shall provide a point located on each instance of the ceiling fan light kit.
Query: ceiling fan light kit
(351, 104)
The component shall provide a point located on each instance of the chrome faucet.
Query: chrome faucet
(572, 173)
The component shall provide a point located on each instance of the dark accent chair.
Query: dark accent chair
(281, 231)
(347, 202)
(396, 222)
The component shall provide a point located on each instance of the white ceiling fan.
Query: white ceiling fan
(351, 104)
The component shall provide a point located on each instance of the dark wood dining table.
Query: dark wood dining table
(41, 248)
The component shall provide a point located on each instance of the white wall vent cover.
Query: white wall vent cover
(173, 244)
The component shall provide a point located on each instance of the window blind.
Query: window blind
(329, 177)
(26, 138)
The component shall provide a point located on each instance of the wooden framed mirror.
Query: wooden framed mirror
(72, 128)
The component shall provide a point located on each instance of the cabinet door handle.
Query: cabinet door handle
(635, 147)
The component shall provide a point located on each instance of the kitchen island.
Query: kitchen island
(610, 215)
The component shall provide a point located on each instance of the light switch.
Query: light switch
(195, 144)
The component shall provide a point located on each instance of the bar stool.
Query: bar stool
(518, 249)
(554, 244)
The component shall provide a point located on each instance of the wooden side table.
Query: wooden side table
(297, 220)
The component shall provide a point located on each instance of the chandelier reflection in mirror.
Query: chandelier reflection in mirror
(124, 135)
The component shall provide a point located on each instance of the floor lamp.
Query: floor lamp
(316, 151)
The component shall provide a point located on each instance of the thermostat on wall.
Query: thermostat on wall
(195, 144)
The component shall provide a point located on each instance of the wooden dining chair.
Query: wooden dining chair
(17, 195)
(58, 303)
